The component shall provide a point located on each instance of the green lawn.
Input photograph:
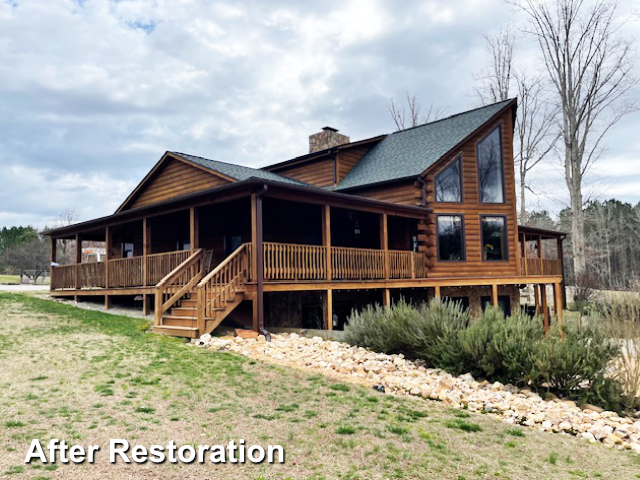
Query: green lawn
(87, 377)
(5, 279)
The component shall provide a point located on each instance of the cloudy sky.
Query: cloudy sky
(93, 92)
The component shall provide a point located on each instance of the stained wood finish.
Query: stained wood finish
(471, 209)
(348, 158)
(174, 179)
(401, 193)
(319, 172)
(178, 283)
(293, 263)
(123, 272)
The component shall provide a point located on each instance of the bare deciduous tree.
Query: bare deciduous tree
(590, 65)
(67, 247)
(534, 129)
(495, 80)
(535, 132)
(409, 116)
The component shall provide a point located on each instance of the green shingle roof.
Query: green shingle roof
(238, 172)
(410, 152)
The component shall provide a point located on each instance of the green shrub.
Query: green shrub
(576, 362)
(510, 350)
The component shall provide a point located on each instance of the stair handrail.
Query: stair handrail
(231, 274)
(163, 287)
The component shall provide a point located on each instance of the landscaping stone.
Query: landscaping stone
(393, 374)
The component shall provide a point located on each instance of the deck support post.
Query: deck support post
(194, 229)
(545, 308)
(536, 295)
(384, 242)
(327, 309)
(494, 295)
(78, 262)
(326, 239)
(386, 297)
(438, 293)
(559, 306)
(257, 259)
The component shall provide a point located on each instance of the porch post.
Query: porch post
(326, 238)
(545, 308)
(78, 262)
(257, 260)
(536, 294)
(559, 306)
(438, 295)
(107, 257)
(52, 257)
(384, 242)
(146, 250)
(561, 257)
(194, 229)
(327, 309)
(494, 295)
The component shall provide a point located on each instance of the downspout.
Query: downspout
(260, 263)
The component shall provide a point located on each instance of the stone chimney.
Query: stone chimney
(327, 138)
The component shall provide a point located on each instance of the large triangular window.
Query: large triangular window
(449, 183)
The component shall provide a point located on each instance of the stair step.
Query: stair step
(188, 332)
(184, 311)
(180, 322)
(179, 317)
(189, 303)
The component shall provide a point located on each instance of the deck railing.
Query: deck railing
(117, 273)
(540, 267)
(292, 262)
(223, 283)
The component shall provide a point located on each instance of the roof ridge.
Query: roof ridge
(212, 160)
(455, 115)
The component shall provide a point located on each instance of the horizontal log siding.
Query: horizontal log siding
(174, 179)
(348, 158)
(316, 172)
(472, 210)
(402, 193)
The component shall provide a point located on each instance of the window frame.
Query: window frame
(498, 127)
(457, 158)
(463, 242)
(506, 238)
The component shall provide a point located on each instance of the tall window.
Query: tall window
(450, 238)
(448, 183)
(494, 238)
(490, 168)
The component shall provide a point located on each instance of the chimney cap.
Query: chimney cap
(329, 129)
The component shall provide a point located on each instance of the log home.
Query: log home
(427, 212)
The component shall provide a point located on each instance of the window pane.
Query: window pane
(448, 183)
(490, 168)
(494, 238)
(450, 240)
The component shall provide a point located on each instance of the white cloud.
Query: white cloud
(94, 92)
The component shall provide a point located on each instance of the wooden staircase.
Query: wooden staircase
(200, 308)
(182, 319)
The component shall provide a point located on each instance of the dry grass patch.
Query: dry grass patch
(87, 377)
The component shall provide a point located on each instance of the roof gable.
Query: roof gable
(177, 174)
(408, 153)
